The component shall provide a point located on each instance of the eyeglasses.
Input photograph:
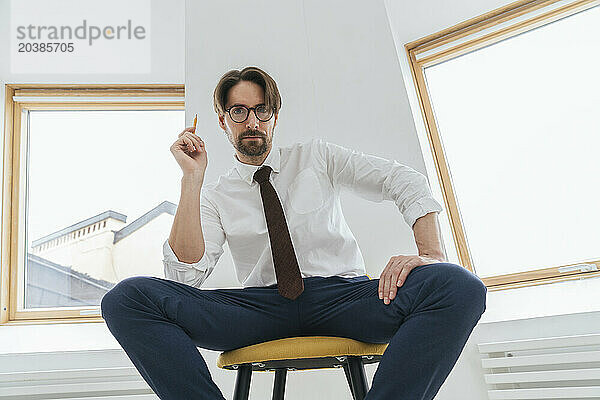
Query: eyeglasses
(240, 113)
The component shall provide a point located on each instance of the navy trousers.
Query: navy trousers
(160, 323)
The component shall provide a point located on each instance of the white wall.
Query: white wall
(334, 54)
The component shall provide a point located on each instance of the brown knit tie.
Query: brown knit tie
(289, 279)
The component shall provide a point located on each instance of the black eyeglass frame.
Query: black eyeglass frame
(248, 109)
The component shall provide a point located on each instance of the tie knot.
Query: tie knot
(262, 174)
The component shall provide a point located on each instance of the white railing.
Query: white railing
(73, 375)
(566, 367)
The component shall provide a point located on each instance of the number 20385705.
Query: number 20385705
(46, 47)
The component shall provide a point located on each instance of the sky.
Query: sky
(82, 163)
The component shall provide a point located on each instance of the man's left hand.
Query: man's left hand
(395, 272)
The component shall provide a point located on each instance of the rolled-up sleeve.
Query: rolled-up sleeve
(194, 274)
(376, 179)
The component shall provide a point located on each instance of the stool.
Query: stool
(300, 353)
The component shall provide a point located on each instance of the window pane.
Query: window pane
(91, 176)
(520, 129)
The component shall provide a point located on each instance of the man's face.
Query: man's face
(249, 94)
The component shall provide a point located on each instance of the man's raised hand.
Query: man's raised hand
(190, 152)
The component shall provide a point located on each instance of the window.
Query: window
(86, 194)
(510, 102)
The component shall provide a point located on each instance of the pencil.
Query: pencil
(195, 122)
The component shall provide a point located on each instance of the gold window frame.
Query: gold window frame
(118, 97)
(473, 34)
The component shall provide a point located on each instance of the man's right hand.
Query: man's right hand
(190, 153)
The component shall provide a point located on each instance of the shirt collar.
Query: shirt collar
(247, 171)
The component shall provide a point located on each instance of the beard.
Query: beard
(252, 147)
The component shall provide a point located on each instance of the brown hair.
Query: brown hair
(252, 74)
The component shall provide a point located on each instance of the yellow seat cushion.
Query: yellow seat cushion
(299, 347)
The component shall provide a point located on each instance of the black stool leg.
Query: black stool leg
(242, 382)
(279, 383)
(349, 379)
(358, 377)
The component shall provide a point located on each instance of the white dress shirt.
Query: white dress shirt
(308, 178)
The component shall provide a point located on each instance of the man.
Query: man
(300, 266)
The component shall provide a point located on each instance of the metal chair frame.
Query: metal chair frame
(353, 369)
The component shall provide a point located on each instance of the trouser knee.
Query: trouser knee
(113, 300)
(463, 287)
